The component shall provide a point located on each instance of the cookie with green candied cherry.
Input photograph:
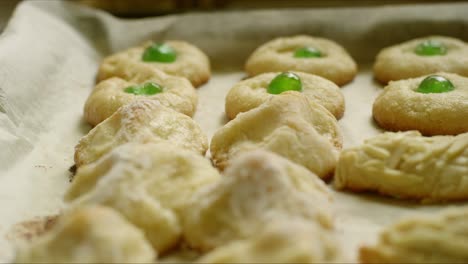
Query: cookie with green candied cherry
(177, 58)
(252, 92)
(319, 56)
(421, 56)
(435, 104)
(139, 82)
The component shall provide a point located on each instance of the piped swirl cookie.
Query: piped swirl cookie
(407, 165)
(92, 234)
(438, 238)
(150, 184)
(257, 189)
(288, 124)
(420, 57)
(254, 91)
(173, 57)
(303, 53)
(141, 121)
(136, 82)
(434, 105)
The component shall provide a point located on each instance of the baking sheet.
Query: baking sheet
(50, 51)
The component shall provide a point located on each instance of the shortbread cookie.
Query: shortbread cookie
(288, 124)
(89, 235)
(434, 105)
(139, 82)
(150, 184)
(308, 54)
(407, 165)
(420, 57)
(258, 188)
(440, 238)
(281, 242)
(141, 121)
(252, 92)
(173, 57)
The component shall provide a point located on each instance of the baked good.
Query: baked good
(434, 105)
(437, 238)
(288, 124)
(137, 82)
(407, 165)
(150, 184)
(93, 234)
(173, 57)
(303, 53)
(421, 56)
(254, 91)
(281, 242)
(258, 188)
(140, 121)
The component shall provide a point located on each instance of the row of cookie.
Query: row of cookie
(328, 59)
(166, 72)
(171, 194)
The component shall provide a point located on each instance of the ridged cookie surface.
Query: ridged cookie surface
(140, 121)
(288, 124)
(407, 165)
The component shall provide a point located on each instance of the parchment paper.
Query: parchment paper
(50, 51)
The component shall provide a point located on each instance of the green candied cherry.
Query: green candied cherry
(435, 84)
(286, 81)
(159, 52)
(431, 48)
(149, 88)
(307, 52)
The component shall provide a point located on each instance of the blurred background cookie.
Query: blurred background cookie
(173, 57)
(434, 105)
(257, 189)
(254, 91)
(139, 83)
(150, 184)
(93, 234)
(422, 56)
(303, 53)
(436, 238)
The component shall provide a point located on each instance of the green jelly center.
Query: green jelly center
(159, 53)
(286, 81)
(435, 84)
(148, 88)
(431, 48)
(307, 52)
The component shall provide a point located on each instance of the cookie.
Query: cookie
(434, 105)
(252, 92)
(173, 57)
(303, 53)
(288, 124)
(281, 242)
(258, 188)
(407, 165)
(420, 57)
(89, 235)
(139, 82)
(140, 121)
(438, 238)
(150, 184)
